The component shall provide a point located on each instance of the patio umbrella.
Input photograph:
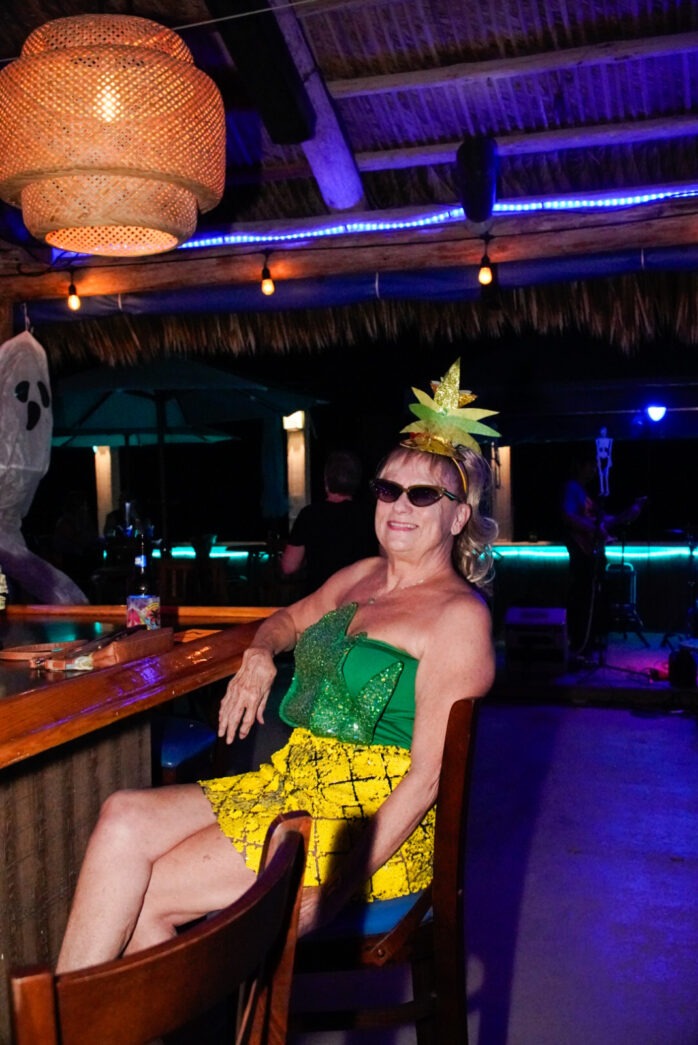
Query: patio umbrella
(169, 400)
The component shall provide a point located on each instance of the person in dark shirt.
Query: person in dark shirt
(332, 533)
(588, 529)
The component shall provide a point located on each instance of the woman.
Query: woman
(365, 757)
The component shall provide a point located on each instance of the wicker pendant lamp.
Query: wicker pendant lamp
(110, 137)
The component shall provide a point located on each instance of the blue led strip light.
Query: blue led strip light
(349, 228)
(451, 215)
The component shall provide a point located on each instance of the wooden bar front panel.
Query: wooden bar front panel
(48, 807)
(67, 746)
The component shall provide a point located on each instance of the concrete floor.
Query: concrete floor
(582, 877)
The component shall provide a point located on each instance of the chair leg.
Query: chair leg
(424, 993)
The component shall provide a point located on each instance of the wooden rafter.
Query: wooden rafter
(328, 152)
(530, 143)
(472, 73)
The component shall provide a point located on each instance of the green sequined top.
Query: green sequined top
(351, 687)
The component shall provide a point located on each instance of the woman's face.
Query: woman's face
(403, 528)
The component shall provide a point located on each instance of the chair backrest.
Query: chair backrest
(448, 885)
(133, 1000)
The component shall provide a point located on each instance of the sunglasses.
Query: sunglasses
(420, 496)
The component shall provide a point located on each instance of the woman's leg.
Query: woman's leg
(135, 828)
(203, 873)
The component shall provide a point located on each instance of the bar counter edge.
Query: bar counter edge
(46, 716)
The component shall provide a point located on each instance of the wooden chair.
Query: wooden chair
(426, 934)
(133, 1000)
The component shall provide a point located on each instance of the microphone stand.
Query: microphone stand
(592, 633)
(600, 639)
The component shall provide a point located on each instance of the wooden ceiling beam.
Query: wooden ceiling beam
(534, 142)
(548, 235)
(526, 144)
(328, 151)
(468, 74)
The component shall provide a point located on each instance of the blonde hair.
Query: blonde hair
(472, 548)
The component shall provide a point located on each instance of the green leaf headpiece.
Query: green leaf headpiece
(447, 421)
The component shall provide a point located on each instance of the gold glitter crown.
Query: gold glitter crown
(447, 421)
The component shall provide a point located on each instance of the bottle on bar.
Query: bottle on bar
(143, 605)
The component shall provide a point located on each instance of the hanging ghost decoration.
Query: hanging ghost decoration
(26, 426)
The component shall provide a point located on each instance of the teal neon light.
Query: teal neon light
(614, 553)
(219, 551)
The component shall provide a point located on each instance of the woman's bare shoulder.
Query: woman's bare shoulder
(460, 610)
(457, 647)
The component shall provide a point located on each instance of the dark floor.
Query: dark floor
(625, 670)
(582, 875)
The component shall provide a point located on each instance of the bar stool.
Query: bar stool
(182, 749)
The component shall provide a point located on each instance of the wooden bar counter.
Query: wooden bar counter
(67, 742)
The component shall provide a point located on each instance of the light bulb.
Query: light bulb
(108, 105)
(268, 287)
(485, 275)
(74, 301)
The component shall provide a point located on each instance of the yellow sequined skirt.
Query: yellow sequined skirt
(341, 786)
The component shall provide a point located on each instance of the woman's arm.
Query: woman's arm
(248, 691)
(458, 662)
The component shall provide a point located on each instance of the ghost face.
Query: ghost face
(26, 421)
(24, 392)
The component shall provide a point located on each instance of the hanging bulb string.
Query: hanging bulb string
(485, 274)
(74, 302)
(267, 284)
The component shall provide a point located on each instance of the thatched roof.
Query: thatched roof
(627, 313)
(583, 98)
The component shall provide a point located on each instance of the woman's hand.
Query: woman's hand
(247, 693)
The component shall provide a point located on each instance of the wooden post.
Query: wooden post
(501, 495)
(298, 463)
(107, 482)
(6, 329)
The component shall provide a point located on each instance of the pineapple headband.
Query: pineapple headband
(446, 422)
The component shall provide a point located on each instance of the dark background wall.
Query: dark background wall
(367, 389)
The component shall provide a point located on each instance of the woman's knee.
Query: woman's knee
(124, 816)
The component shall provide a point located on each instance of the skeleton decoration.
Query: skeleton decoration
(26, 424)
(604, 460)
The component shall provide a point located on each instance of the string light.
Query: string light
(267, 284)
(74, 302)
(485, 275)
